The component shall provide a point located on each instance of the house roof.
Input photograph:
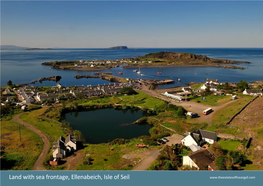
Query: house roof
(202, 158)
(194, 147)
(59, 144)
(213, 80)
(69, 138)
(208, 134)
(253, 91)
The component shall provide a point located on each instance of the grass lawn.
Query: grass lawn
(211, 100)
(105, 157)
(197, 86)
(222, 116)
(18, 155)
(229, 144)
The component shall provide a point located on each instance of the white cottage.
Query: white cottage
(201, 160)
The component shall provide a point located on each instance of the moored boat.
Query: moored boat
(159, 73)
(120, 73)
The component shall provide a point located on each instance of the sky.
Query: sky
(153, 24)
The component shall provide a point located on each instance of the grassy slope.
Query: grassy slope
(212, 100)
(141, 99)
(20, 155)
(222, 116)
(49, 127)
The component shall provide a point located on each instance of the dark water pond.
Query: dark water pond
(104, 125)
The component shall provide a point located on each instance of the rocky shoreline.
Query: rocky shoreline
(51, 78)
(177, 65)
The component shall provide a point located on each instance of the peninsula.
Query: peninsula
(155, 60)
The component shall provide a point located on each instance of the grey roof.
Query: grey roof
(70, 138)
(194, 147)
(196, 136)
(253, 91)
(59, 144)
(208, 134)
(62, 139)
(202, 158)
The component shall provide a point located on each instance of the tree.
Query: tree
(168, 165)
(242, 85)
(220, 162)
(61, 96)
(79, 136)
(226, 86)
(9, 83)
(127, 90)
(238, 157)
(217, 149)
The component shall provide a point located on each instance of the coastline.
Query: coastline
(149, 66)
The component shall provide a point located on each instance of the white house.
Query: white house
(201, 160)
(63, 146)
(253, 92)
(29, 100)
(198, 139)
(174, 96)
(70, 143)
(213, 87)
(189, 140)
(208, 136)
(212, 81)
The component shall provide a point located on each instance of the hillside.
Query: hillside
(186, 58)
(11, 47)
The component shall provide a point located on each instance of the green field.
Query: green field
(211, 100)
(140, 99)
(16, 154)
(112, 157)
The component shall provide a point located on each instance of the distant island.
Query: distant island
(154, 60)
(14, 47)
(38, 49)
(118, 47)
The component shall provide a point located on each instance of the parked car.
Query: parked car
(161, 141)
(165, 140)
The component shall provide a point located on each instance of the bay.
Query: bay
(25, 66)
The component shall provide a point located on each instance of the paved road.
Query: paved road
(39, 163)
(188, 105)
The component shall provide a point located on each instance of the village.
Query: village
(200, 145)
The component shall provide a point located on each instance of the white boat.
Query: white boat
(134, 70)
(138, 72)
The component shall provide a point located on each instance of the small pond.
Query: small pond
(104, 125)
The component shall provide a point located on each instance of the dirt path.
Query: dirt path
(73, 161)
(145, 163)
(39, 163)
(154, 153)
